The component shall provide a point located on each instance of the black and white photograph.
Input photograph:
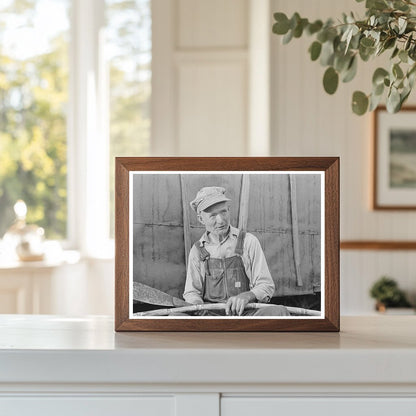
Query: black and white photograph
(226, 244)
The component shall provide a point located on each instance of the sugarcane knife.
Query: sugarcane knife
(152, 296)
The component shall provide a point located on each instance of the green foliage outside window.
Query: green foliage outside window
(129, 39)
(34, 103)
(33, 99)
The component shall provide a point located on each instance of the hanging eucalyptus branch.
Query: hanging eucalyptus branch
(389, 27)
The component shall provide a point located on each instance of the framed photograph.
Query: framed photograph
(394, 159)
(227, 244)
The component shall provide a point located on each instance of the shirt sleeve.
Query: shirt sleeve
(261, 282)
(194, 278)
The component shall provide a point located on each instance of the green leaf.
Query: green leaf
(397, 71)
(400, 5)
(355, 41)
(402, 24)
(314, 27)
(288, 37)
(341, 61)
(351, 71)
(315, 50)
(366, 53)
(404, 95)
(359, 103)
(298, 30)
(330, 80)
(376, 4)
(411, 74)
(389, 43)
(322, 36)
(412, 52)
(294, 20)
(403, 56)
(327, 53)
(379, 75)
(378, 89)
(374, 102)
(412, 70)
(281, 27)
(367, 42)
(408, 42)
(337, 42)
(412, 78)
(395, 53)
(393, 101)
(348, 34)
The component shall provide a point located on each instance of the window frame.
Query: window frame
(87, 133)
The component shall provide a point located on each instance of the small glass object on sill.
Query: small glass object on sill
(23, 240)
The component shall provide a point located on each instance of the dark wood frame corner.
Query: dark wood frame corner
(329, 165)
(375, 205)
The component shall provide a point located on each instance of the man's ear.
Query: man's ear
(199, 216)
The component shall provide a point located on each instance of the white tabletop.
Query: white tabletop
(373, 349)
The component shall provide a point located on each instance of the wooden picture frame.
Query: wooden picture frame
(148, 185)
(394, 158)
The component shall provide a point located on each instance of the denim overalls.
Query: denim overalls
(224, 277)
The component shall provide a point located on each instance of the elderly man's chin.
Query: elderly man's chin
(222, 231)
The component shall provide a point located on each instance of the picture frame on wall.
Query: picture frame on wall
(227, 244)
(394, 150)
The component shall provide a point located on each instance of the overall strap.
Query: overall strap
(202, 251)
(240, 243)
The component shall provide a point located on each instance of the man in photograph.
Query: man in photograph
(227, 265)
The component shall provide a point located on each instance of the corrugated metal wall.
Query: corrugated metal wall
(165, 227)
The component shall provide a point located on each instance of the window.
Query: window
(33, 98)
(75, 87)
(129, 46)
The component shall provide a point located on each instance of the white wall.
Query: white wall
(308, 122)
(204, 89)
(200, 94)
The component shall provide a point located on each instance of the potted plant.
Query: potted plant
(389, 27)
(387, 294)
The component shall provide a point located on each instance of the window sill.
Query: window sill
(7, 262)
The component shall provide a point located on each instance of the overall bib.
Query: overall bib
(224, 277)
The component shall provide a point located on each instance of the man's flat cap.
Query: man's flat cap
(207, 197)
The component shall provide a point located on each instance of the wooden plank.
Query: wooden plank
(295, 229)
(186, 219)
(244, 202)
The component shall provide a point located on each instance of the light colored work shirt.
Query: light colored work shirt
(255, 266)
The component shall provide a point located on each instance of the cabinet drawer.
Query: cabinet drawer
(87, 406)
(272, 406)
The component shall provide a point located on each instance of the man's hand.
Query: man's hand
(199, 302)
(236, 304)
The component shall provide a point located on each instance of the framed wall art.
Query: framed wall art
(394, 179)
(227, 244)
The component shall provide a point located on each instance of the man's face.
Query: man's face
(216, 219)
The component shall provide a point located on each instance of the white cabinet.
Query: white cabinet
(88, 406)
(79, 366)
(39, 287)
(67, 286)
(323, 406)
